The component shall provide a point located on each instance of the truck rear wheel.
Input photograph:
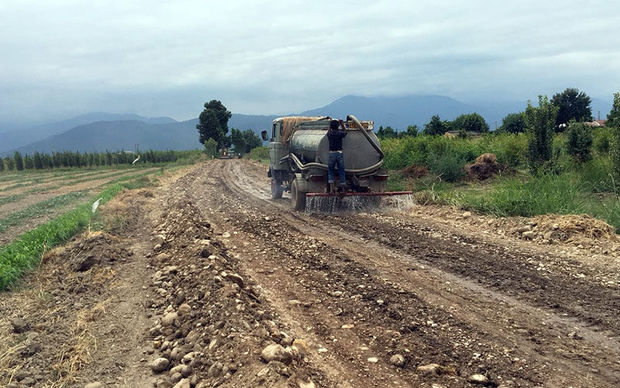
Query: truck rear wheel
(276, 189)
(298, 197)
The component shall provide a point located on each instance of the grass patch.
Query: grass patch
(11, 198)
(40, 209)
(567, 193)
(26, 251)
(260, 153)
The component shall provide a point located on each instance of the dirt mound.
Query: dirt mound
(484, 167)
(414, 171)
(95, 249)
(214, 328)
(569, 227)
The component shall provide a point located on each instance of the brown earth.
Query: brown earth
(206, 282)
(44, 194)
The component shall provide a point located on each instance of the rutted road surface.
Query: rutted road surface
(367, 289)
(208, 282)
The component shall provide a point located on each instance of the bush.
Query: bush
(513, 123)
(210, 147)
(447, 166)
(616, 154)
(603, 140)
(510, 149)
(597, 176)
(259, 153)
(579, 142)
(472, 122)
(540, 123)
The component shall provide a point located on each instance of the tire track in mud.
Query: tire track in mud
(236, 189)
(500, 269)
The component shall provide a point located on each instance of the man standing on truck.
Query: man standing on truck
(335, 136)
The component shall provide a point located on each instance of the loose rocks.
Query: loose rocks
(397, 360)
(276, 352)
(19, 325)
(160, 364)
(478, 379)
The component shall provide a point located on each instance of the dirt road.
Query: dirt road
(235, 289)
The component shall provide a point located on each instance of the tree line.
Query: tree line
(40, 160)
(572, 106)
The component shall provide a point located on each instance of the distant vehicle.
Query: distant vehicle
(225, 153)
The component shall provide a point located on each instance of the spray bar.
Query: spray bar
(352, 193)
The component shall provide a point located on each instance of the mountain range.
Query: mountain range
(108, 131)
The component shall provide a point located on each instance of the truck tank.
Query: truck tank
(312, 146)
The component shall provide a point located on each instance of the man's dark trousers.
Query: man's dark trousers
(336, 158)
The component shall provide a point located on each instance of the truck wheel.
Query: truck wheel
(276, 189)
(298, 197)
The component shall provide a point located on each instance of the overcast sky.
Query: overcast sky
(166, 58)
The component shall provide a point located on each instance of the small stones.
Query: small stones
(397, 360)
(184, 383)
(20, 325)
(184, 309)
(429, 369)
(215, 369)
(96, 384)
(373, 360)
(169, 319)
(478, 379)
(307, 383)
(530, 234)
(466, 214)
(347, 326)
(234, 278)
(275, 352)
(160, 364)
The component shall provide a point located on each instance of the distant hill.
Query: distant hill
(101, 131)
(257, 123)
(12, 139)
(120, 135)
(400, 112)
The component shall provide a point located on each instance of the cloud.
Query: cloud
(166, 58)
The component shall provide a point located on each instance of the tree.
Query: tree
(251, 140)
(38, 162)
(412, 130)
(472, 122)
(579, 144)
(540, 122)
(613, 118)
(572, 105)
(19, 161)
(386, 133)
(210, 147)
(28, 163)
(213, 123)
(238, 140)
(1, 164)
(9, 163)
(513, 123)
(436, 126)
(616, 153)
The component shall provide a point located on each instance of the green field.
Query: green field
(41, 208)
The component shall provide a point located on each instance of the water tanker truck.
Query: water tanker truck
(298, 154)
